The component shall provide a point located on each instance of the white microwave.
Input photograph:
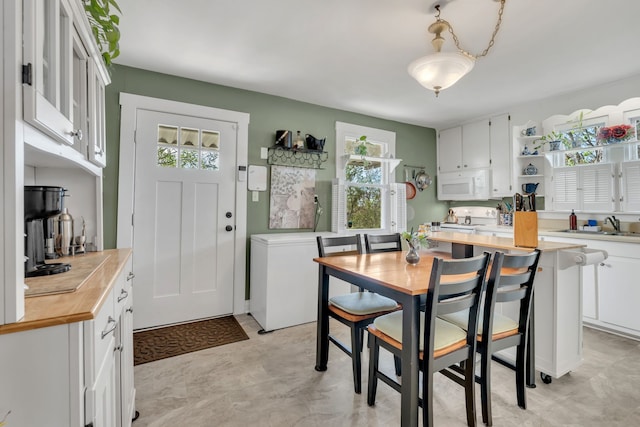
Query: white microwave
(472, 184)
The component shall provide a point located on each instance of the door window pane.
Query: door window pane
(194, 149)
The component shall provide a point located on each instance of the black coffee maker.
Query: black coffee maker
(40, 204)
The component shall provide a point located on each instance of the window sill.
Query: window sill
(393, 163)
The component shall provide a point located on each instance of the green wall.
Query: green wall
(415, 144)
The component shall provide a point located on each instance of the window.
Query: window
(365, 196)
(188, 148)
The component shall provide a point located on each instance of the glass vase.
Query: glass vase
(413, 257)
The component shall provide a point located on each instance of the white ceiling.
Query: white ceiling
(353, 54)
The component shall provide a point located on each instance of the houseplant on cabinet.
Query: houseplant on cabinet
(104, 25)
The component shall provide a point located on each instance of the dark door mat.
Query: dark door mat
(156, 344)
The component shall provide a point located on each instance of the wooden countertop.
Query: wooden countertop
(80, 305)
(495, 242)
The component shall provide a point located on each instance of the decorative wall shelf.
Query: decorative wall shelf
(300, 158)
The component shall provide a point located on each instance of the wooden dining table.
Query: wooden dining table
(390, 275)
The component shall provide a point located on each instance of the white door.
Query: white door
(184, 219)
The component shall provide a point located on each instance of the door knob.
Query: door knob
(228, 228)
(228, 215)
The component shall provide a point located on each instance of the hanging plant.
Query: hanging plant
(104, 25)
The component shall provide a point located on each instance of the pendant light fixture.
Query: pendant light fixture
(441, 70)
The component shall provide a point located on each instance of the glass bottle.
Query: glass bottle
(299, 142)
(573, 221)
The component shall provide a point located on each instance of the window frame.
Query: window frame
(393, 207)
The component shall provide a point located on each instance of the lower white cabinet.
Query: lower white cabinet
(619, 293)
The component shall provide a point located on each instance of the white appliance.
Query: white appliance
(284, 279)
(478, 216)
(472, 184)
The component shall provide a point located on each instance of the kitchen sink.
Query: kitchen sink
(602, 233)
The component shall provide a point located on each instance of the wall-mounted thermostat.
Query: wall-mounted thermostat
(257, 178)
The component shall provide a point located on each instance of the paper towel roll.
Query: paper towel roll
(590, 258)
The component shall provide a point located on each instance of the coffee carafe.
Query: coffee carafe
(64, 239)
(40, 204)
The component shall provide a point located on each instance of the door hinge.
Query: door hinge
(135, 135)
(27, 74)
(132, 219)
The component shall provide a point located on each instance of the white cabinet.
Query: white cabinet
(464, 147)
(97, 125)
(63, 81)
(500, 152)
(51, 57)
(450, 150)
(619, 293)
(125, 390)
(476, 141)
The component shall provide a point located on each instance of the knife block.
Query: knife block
(525, 229)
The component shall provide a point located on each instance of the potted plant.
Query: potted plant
(361, 146)
(104, 25)
(554, 139)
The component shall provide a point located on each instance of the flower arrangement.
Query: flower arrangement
(361, 147)
(615, 134)
(414, 239)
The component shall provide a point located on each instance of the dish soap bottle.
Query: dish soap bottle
(573, 221)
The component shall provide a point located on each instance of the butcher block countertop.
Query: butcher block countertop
(504, 243)
(76, 295)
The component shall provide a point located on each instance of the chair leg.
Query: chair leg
(374, 351)
(427, 397)
(485, 387)
(356, 355)
(469, 392)
(521, 360)
(398, 364)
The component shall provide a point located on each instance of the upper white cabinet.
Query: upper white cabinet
(50, 59)
(464, 147)
(476, 141)
(97, 121)
(500, 151)
(450, 150)
(63, 82)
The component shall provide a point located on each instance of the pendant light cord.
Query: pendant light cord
(493, 36)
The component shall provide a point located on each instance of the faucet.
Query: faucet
(613, 221)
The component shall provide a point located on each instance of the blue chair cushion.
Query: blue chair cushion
(363, 303)
(446, 333)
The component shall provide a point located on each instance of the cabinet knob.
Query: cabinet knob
(77, 134)
(228, 228)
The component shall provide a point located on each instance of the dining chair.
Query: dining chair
(355, 310)
(376, 243)
(510, 281)
(379, 243)
(454, 285)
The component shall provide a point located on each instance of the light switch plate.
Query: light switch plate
(264, 153)
(255, 196)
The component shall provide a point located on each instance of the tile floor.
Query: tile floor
(269, 380)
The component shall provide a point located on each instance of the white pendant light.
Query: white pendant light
(441, 70)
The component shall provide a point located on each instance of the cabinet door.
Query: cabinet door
(48, 51)
(104, 392)
(619, 293)
(596, 185)
(97, 124)
(476, 150)
(500, 156)
(450, 150)
(125, 372)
